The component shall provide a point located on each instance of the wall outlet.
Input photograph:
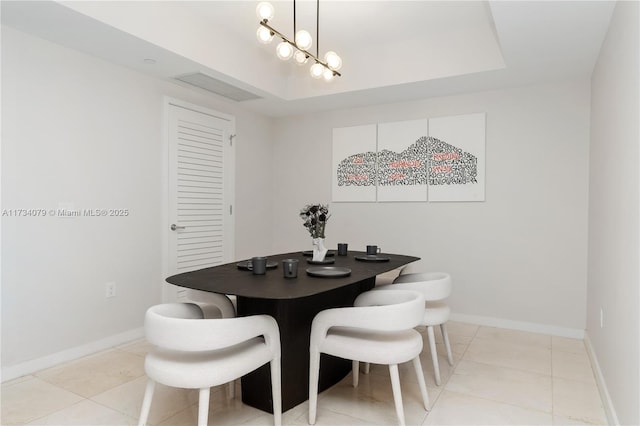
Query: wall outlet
(110, 290)
(601, 318)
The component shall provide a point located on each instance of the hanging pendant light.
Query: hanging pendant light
(316, 70)
(299, 47)
(264, 35)
(284, 51)
(264, 10)
(301, 58)
(303, 40)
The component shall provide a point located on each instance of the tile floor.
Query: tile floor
(500, 377)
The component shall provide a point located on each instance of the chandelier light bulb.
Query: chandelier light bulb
(327, 74)
(316, 70)
(333, 60)
(264, 35)
(284, 51)
(264, 10)
(301, 58)
(303, 40)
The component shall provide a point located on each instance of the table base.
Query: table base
(294, 317)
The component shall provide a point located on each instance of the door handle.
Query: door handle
(175, 227)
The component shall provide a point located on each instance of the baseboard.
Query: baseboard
(14, 371)
(612, 417)
(573, 333)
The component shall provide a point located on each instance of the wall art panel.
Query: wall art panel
(354, 163)
(456, 158)
(402, 172)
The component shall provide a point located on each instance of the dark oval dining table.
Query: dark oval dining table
(293, 302)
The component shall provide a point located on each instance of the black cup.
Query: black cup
(290, 268)
(342, 249)
(373, 250)
(259, 265)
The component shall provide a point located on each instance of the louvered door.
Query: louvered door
(200, 189)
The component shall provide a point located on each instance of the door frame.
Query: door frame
(168, 293)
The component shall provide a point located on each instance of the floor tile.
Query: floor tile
(92, 375)
(372, 400)
(457, 409)
(139, 347)
(566, 344)
(462, 329)
(516, 387)
(565, 421)
(166, 402)
(573, 366)
(510, 355)
(458, 342)
(30, 398)
(577, 401)
(407, 371)
(515, 337)
(326, 417)
(85, 413)
(223, 410)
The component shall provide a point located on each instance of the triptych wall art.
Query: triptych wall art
(437, 159)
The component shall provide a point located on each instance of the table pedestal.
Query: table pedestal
(294, 317)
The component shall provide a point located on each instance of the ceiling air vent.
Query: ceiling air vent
(218, 87)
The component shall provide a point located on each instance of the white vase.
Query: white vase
(319, 250)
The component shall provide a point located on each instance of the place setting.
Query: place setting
(258, 265)
(373, 255)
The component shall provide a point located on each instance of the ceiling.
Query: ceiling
(392, 50)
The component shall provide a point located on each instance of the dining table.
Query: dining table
(293, 302)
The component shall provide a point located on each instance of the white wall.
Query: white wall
(518, 259)
(614, 213)
(77, 129)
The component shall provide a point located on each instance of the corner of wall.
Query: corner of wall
(609, 409)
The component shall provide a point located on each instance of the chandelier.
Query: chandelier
(299, 48)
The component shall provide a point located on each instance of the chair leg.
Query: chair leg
(397, 392)
(314, 371)
(417, 365)
(445, 337)
(355, 372)
(146, 402)
(434, 354)
(203, 406)
(231, 389)
(276, 391)
(366, 367)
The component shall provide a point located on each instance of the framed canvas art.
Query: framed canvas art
(437, 159)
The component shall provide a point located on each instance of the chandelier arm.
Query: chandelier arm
(318, 28)
(265, 23)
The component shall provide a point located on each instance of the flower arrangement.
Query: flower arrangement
(315, 218)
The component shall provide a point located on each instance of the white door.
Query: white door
(200, 190)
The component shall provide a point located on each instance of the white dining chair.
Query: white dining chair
(196, 353)
(213, 305)
(436, 288)
(379, 329)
